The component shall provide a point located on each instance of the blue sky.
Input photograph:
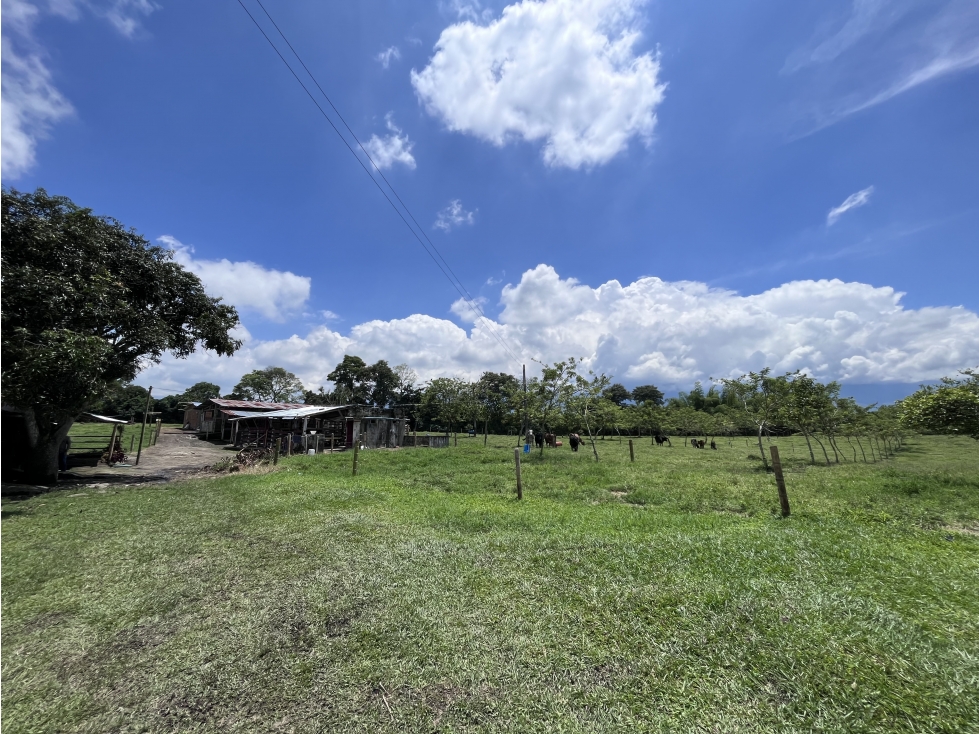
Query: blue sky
(673, 191)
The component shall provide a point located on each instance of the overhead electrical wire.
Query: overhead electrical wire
(430, 248)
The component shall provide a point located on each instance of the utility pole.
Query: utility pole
(143, 428)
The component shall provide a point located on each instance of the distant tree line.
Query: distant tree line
(563, 399)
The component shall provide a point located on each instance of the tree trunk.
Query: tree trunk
(591, 438)
(836, 446)
(41, 460)
(822, 447)
(863, 453)
(832, 445)
(485, 431)
(761, 446)
(812, 456)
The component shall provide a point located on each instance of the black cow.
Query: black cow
(661, 439)
(539, 440)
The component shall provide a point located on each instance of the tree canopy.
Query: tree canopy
(952, 407)
(86, 302)
(616, 393)
(273, 384)
(648, 394)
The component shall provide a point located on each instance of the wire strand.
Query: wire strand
(443, 266)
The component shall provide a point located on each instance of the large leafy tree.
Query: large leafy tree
(585, 397)
(274, 384)
(616, 393)
(952, 407)
(549, 393)
(648, 394)
(503, 399)
(85, 302)
(199, 392)
(761, 400)
(443, 403)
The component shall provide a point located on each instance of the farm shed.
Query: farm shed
(192, 416)
(315, 426)
(214, 413)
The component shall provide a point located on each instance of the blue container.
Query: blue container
(526, 448)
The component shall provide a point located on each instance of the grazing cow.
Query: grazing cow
(550, 440)
(713, 445)
(693, 442)
(661, 439)
(539, 438)
(701, 444)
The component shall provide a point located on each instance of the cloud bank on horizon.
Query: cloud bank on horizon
(561, 71)
(649, 331)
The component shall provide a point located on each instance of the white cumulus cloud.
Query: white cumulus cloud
(246, 285)
(391, 149)
(564, 72)
(453, 215)
(649, 331)
(851, 202)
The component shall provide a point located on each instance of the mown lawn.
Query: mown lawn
(664, 595)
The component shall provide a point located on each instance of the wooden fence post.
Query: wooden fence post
(356, 455)
(632, 453)
(275, 454)
(112, 443)
(783, 497)
(142, 430)
(516, 458)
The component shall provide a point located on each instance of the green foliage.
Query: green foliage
(273, 384)
(87, 302)
(952, 407)
(442, 403)
(121, 400)
(356, 382)
(199, 392)
(500, 394)
(617, 394)
(648, 394)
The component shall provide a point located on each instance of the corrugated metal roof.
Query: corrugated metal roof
(256, 405)
(104, 418)
(303, 411)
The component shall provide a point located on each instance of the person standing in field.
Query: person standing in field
(529, 437)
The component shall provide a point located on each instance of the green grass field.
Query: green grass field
(665, 595)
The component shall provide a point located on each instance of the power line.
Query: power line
(430, 247)
(473, 304)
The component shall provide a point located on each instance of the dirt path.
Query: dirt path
(176, 453)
